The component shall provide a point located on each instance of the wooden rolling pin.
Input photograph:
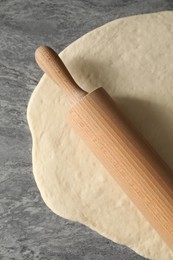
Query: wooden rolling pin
(123, 151)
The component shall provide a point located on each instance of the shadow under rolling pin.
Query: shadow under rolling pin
(122, 150)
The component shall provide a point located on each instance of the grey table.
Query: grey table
(28, 229)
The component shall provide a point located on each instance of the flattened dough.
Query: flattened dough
(133, 59)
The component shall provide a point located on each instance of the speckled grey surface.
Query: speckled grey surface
(28, 229)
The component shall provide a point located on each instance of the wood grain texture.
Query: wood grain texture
(52, 65)
(128, 157)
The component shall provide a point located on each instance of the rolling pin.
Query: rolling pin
(122, 150)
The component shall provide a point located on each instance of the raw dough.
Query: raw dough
(133, 59)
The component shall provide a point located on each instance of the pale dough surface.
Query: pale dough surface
(133, 59)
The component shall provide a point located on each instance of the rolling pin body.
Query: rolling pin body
(128, 157)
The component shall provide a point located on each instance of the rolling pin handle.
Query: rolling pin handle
(49, 61)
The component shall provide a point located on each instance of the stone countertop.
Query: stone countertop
(28, 229)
